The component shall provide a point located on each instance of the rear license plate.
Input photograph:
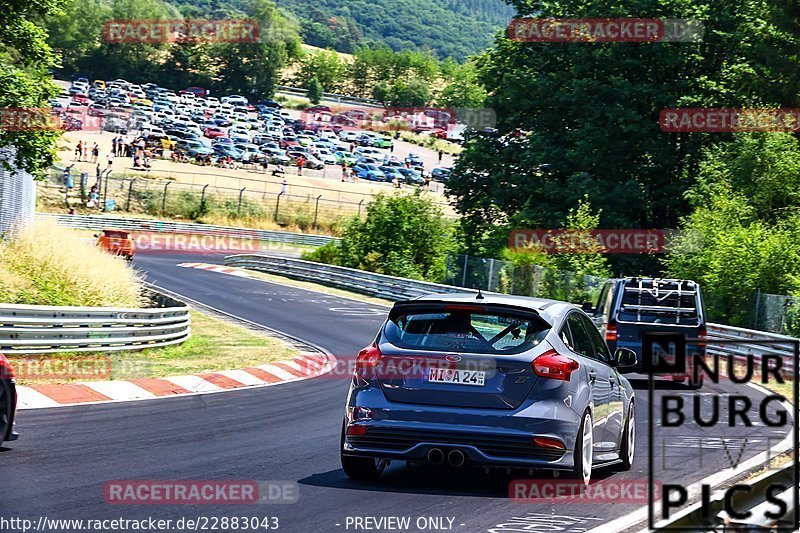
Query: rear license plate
(458, 377)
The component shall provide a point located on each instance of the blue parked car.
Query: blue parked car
(496, 381)
(368, 171)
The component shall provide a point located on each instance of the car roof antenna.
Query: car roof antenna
(479, 295)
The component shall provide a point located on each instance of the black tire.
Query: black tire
(6, 410)
(360, 468)
(628, 446)
(578, 472)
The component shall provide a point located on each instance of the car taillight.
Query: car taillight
(368, 357)
(357, 430)
(547, 442)
(5, 368)
(553, 365)
(611, 333)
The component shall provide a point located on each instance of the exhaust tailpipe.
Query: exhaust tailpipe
(456, 458)
(435, 456)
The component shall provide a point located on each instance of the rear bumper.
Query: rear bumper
(486, 437)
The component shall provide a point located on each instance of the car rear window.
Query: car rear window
(457, 330)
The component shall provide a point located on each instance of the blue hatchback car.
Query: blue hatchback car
(489, 380)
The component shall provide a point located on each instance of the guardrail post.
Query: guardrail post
(239, 209)
(105, 190)
(164, 199)
(130, 193)
(359, 207)
(278, 205)
(316, 211)
(203, 197)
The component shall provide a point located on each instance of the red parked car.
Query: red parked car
(213, 133)
(8, 401)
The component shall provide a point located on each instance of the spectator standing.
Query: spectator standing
(95, 152)
(300, 162)
(85, 152)
(283, 186)
(440, 156)
(78, 151)
(110, 159)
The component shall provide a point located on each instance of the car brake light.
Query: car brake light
(357, 430)
(553, 365)
(5, 368)
(611, 333)
(547, 442)
(471, 308)
(368, 357)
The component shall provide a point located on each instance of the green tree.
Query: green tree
(465, 90)
(415, 93)
(744, 233)
(25, 81)
(577, 119)
(325, 66)
(315, 91)
(402, 235)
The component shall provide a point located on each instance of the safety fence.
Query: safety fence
(35, 329)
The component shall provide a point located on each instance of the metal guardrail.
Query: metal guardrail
(369, 283)
(330, 96)
(742, 350)
(99, 222)
(35, 329)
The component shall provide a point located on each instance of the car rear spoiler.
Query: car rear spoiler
(405, 306)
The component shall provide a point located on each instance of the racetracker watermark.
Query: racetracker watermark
(605, 30)
(34, 119)
(728, 120)
(51, 368)
(575, 491)
(193, 492)
(154, 243)
(145, 31)
(604, 241)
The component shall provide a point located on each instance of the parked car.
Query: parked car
(415, 161)
(412, 177)
(116, 242)
(392, 173)
(440, 173)
(228, 150)
(213, 133)
(628, 307)
(8, 401)
(368, 171)
(382, 142)
(345, 157)
(428, 390)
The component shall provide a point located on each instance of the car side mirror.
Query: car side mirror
(587, 307)
(625, 358)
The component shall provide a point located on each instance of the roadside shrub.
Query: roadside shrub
(50, 265)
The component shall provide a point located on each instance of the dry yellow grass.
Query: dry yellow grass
(50, 265)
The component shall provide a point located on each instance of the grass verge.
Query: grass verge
(214, 345)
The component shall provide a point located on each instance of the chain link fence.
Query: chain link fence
(17, 193)
(289, 205)
(505, 277)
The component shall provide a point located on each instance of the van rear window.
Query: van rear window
(660, 301)
(466, 331)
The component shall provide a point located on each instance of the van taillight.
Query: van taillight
(368, 357)
(553, 365)
(611, 333)
(702, 335)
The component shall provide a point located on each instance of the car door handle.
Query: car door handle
(612, 381)
(592, 376)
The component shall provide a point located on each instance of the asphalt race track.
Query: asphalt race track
(290, 432)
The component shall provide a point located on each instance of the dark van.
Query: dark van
(628, 307)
